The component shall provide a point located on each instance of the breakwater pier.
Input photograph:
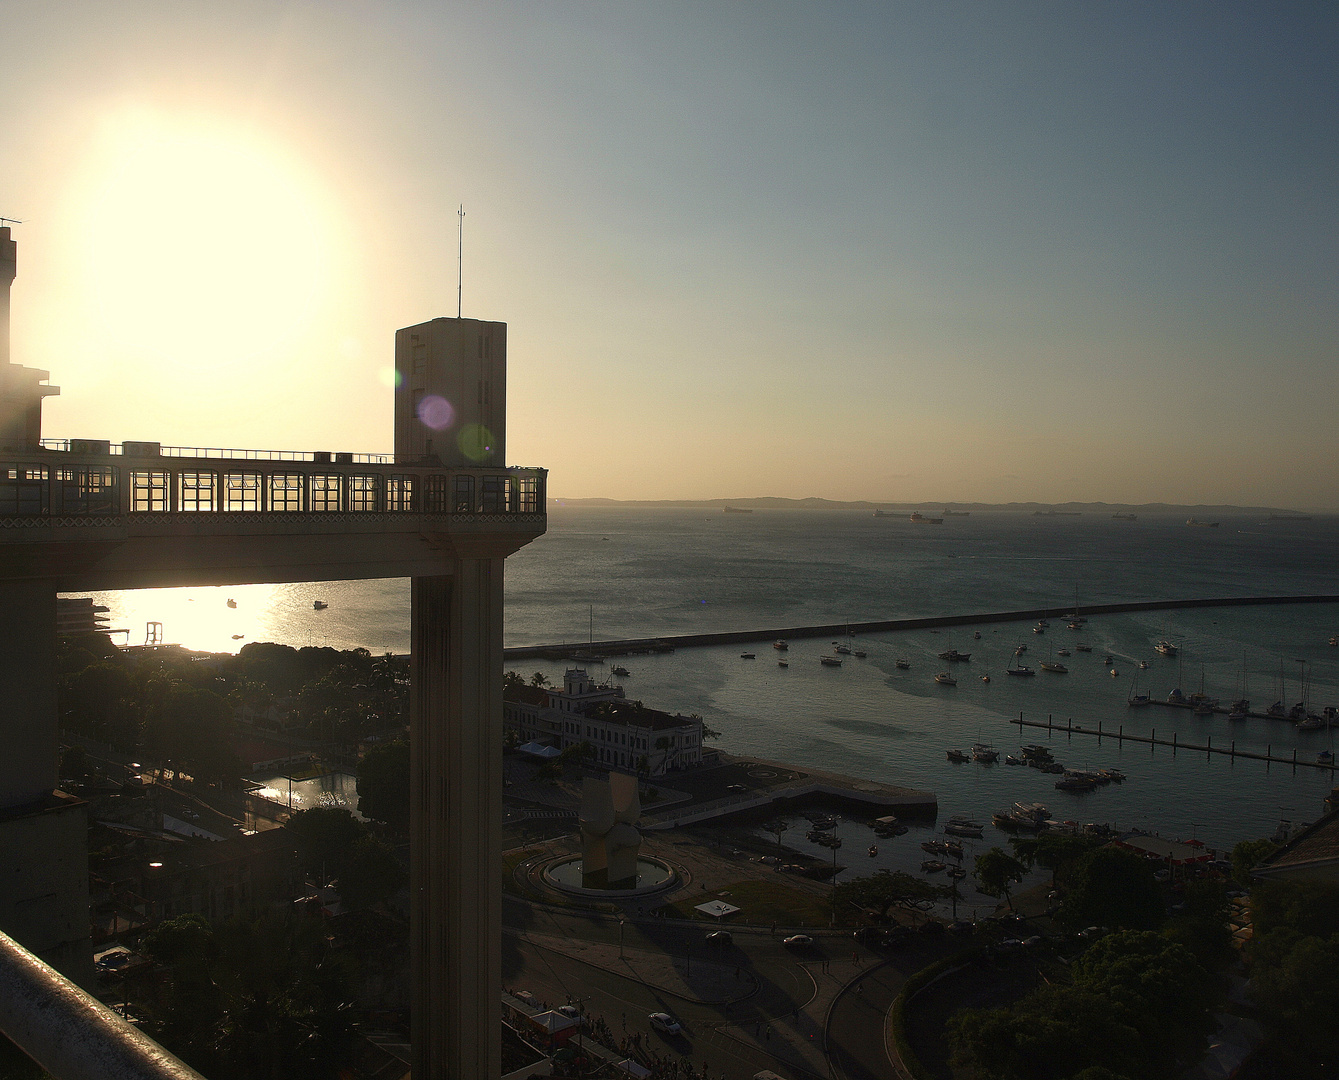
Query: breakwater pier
(597, 650)
(1068, 727)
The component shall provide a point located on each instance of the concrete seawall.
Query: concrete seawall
(681, 641)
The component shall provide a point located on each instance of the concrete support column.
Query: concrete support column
(28, 723)
(456, 822)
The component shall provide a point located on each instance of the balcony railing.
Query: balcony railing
(93, 482)
(152, 449)
(69, 1032)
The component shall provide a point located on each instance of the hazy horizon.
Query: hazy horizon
(912, 254)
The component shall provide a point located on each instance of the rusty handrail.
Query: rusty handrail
(69, 1032)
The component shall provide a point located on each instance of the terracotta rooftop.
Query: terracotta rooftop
(1317, 845)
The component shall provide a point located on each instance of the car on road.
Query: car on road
(721, 938)
(663, 1021)
(797, 941)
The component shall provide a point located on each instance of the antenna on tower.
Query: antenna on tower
(9, 221)
(460, 258)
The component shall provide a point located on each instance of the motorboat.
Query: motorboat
(317, 605)
(1108, 661)
(1114, 775)
(1054, 665)
(1020, 669)
(963, 827)
(783, 663)
(976, 635)
(620, 671)
(1021, 649)
(985, 678)
(830, 661)
(1082, 646)
(953, 656)
(1039, 629)
(933, 866)
(902, 665)
(957, 756)
(859, 654)
(945, 679)
(1165, 648)
(1075, 783)
(957, 873)
(844, 650)
(747, 656)
(1061, 652)
(985, 754)
(1014, 759)
(781, 645)
(873, 850)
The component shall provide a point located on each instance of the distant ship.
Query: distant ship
(1057, 513)
(737, 510)
(1202, 524)
(885, 513)
(1126, 517)
(956, 513)
(921, 519)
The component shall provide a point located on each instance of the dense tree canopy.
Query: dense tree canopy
(1110, 887)
(996, 870)
(883, 891)
(383, 785)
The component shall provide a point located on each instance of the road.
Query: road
(777, 1021)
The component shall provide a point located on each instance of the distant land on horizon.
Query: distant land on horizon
(774, 503)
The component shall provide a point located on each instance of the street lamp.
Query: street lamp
(620, 938)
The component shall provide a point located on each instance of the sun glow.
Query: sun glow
(202, 249)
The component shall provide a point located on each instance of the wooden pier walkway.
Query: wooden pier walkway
(1068, 727)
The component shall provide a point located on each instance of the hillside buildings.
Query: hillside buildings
(623, 734)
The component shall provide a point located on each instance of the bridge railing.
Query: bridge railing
(69, 1032)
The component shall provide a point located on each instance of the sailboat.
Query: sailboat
(1136, 699)
(1018, 667)
(1277, 711)
(1241, 708)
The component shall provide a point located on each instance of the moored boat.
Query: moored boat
(945, 679)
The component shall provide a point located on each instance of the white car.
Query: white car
(662, 1021)
(796, 941)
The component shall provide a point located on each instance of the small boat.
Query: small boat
(1277, 711)
(1202, 524)
(957, 755)
(1061, 652)
(1325, 757)
(1019, 669)
(873, 850)
(238, 637)
(782, 645)
(1108, 661)
(232, 603)
(620, 671)
(1043, 624)
(945, 679)
(1311, 723)
(1075, 783)
(976, 635)
(1014, 759)
(933, 866)
(747, 656)
(1237, 712)
(953, 656)
(985, 754)
(319, 605)
(1039, 629)
(859, 654)
(1020, 649)
(1114, 775)
(963, 827)
(1165, 648)
(830, 661)
(1143, 665)
(845, 650)
(1080, 646)
(1334, 640)
(933, 847)
(783, 663)
(902, 665)
(985, 678)
(1054, 665)
(957, 873)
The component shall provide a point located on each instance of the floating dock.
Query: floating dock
(1068, 727)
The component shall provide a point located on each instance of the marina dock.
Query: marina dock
(1068, 727)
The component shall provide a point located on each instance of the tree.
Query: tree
(383, 785)
(368, 873)
(539, 679)
(887, 889)
(1111, 887)
(1048, 1035)
(1157, 987)
(1296, 985)
(1053, 851)
(1246, 854)
(324, 836)
(996, 870)
(1202, 925)
(1310, 908)
(511, 682)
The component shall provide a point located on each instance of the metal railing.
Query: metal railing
(135, 450)
(69, 1032)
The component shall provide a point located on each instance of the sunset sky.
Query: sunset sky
(891, 251)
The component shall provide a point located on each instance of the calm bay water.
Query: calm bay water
(648, 572)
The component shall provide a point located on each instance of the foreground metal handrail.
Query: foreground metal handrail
(69, 1032)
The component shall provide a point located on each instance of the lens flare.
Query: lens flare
(390, 377)
(436, 412)
(475, 442)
